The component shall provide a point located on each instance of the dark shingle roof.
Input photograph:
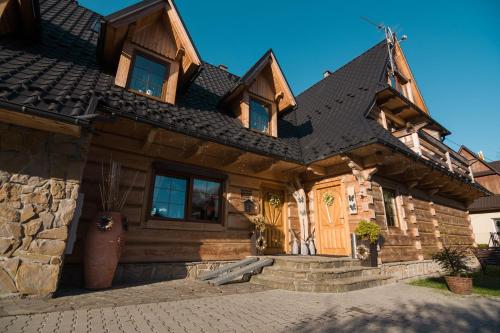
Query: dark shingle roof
(330, 117)
(59, 76)
(488, 203)
(495, 165)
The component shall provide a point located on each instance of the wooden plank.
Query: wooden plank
(39, 123)
(227, 268)
(240, 272)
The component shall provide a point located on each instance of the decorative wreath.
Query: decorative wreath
(328, 198)
(363, 252)
(274, 200)
(260, 243)
(104, 223)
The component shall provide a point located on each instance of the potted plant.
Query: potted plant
(453, 261)
(368, 234)
(104, 239)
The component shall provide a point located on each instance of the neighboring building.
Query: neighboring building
(210, 149)
(485, 211)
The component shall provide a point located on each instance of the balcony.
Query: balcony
(434, 150)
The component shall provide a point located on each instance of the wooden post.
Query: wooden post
(471, 174)
(416, 143)
(448, 161)
(300, 197)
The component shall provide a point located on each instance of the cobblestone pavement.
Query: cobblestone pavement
(391, 308)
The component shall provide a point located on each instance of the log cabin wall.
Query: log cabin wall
(149, 240)
(426, 223)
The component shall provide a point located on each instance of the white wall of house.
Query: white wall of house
(483, 224)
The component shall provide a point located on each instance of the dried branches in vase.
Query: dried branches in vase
(112, 197)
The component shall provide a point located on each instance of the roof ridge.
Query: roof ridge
(341, 67)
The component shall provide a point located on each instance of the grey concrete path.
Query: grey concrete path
(391, 308)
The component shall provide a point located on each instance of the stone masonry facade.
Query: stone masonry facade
(40, 175)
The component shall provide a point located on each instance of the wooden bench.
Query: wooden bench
(490, 256)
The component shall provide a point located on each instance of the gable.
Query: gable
(155, 25)
(405, 74)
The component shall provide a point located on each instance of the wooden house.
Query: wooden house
(485, 211)
(205, 150)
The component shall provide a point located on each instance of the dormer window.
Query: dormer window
(148, 76)
(259, 116)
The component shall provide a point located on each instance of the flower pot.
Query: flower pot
(102, 251)
(459, 285)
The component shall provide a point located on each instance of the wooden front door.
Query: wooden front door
(273, 212)
(332, 234)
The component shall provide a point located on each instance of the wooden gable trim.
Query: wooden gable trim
(179, 27)
(405, 73)
(128, 25)
(283, 95)
(39, 123)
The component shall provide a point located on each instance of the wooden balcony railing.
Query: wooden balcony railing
(432, 149)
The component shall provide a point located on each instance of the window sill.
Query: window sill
(183, 225)
(158, 99)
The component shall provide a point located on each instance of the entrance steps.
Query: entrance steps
(319, 274)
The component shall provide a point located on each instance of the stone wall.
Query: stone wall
(40, 175)
(410, 270)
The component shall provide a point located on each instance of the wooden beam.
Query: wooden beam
(196, 149)
(180, 53)
(39, 123)
(150, 138)
(394, 118)
(264, 166)
(395, 169)
(279, 95)
(231, 159)
(317, 170)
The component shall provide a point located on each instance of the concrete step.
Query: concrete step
(320, 274)
(331, 286)
(308, 262)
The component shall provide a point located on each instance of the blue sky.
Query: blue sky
(453, 48)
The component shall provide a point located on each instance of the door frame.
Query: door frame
(284, 210)
(344, 214)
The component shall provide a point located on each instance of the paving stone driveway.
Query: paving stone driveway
(392, 308)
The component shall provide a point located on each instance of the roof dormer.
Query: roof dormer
(260, 95)
(150, 49)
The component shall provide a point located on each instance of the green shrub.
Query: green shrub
(368, 231)
(453, 260)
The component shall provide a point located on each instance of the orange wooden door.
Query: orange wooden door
(332, 229)
(273, 212)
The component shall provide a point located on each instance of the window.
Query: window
(169, 197)
(186, 197)
(259, 116)
(497, 224)
(148, 76)
(390, 207)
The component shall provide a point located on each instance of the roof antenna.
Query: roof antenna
(391, 40)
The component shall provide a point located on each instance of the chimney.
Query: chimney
(326, 73)
(223, 67)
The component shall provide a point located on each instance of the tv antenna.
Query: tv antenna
(391, 39)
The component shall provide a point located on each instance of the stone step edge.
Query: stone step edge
(336, 270)
(333, 282)
(311, 260)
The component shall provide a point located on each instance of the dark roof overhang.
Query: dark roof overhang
(20, 18)
(392, 100)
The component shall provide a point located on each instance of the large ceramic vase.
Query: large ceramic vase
(102, 251)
